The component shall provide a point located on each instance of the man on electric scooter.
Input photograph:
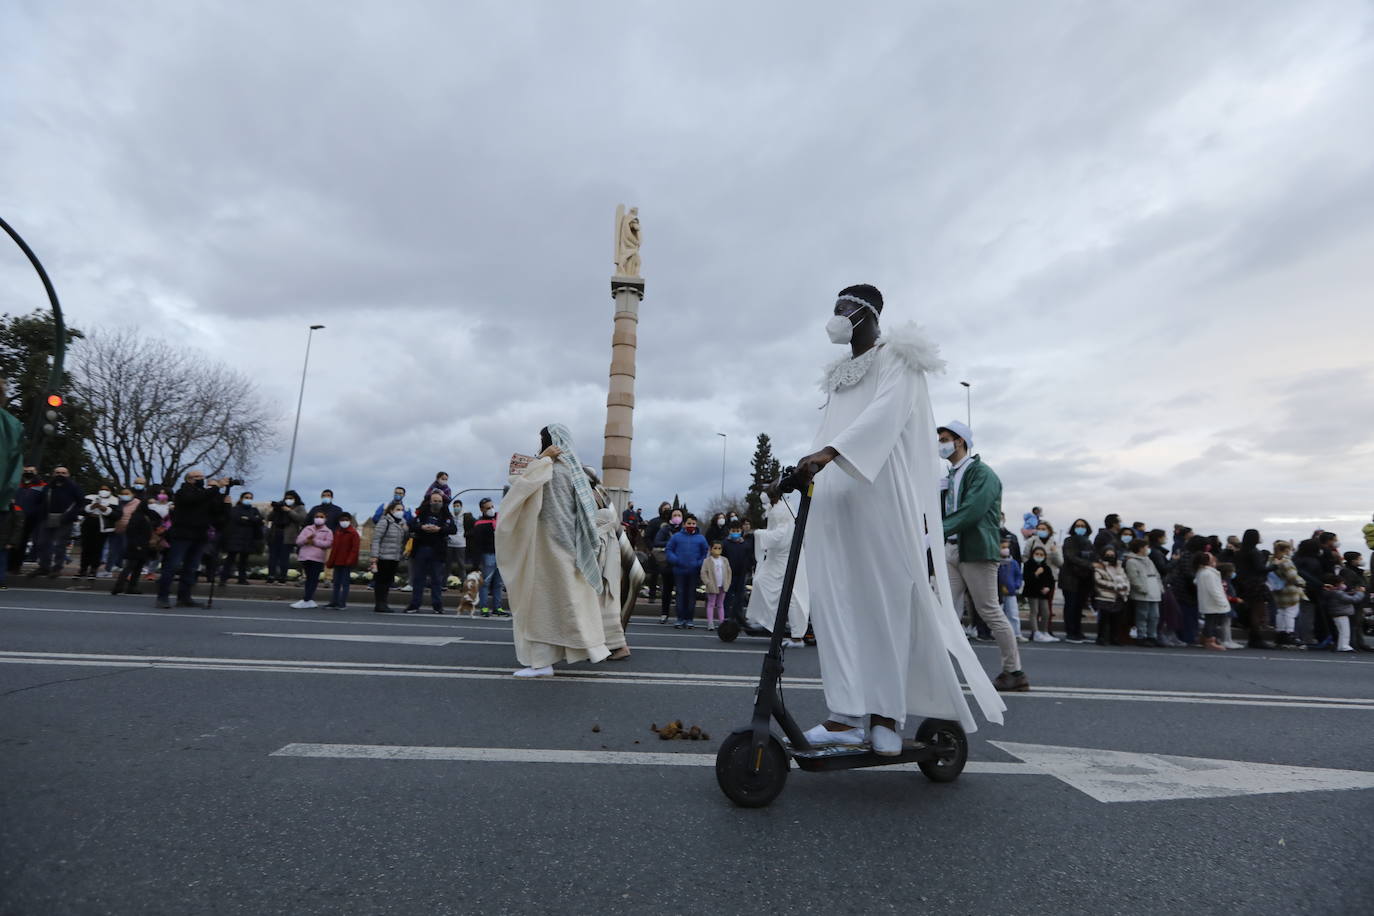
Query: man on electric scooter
(888, 641)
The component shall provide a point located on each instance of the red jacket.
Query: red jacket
(345, 549)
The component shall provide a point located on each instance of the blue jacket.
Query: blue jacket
(1009, 576)
(686, 552)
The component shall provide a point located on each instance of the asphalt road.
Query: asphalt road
(233, 761)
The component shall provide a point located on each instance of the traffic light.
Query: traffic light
(54, 402)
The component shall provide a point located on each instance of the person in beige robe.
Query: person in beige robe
(549, 553)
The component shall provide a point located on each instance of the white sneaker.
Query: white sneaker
(793, 643)
(1023, 639)
(970, 631)
(1042, 636)
(546, 671)
(303, 605)
(820, 736)
(886, 742)
(403, 588)
(1232, 644)
(1133, 633)
(103, 574)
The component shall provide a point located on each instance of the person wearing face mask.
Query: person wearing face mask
(1111, 588)
(29, 498)
(716, 531)
(198, 507)
(117, 544)
(739, 553)
(888, 642)
(653, 569)
(431, 528)
(665, 568)
(1076, 578)
(97, 523)
(440, 486)
(61, 505)
(343, 556)
(549, 544)
(1038, 587)
(398, 495)
(242, 536)
(389, 538)
(313, 545)
(772, 547)
(140, 523)
(1147, 590)
(1356, 580)
(972, 526)
(285, 518)
(329, 508)
(1009, 582)
(1212, 603)
(686, 551)
(484, 540)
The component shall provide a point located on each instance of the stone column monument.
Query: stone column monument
(627, 289)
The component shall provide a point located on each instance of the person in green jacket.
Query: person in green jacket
(11, 453)
(973, 529)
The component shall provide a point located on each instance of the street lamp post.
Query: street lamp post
(290, 461)
(36, 436)
(724, 440)
(968, 403)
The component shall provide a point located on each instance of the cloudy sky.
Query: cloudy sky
(1143, 232)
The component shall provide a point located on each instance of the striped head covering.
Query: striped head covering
(570, 508)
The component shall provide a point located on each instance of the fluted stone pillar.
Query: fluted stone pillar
(627, 292)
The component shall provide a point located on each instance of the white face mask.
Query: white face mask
(946, 449)
(398, 514)
(104, 494)
(288, 502)
(345, 523)
(319, 521)
(840, 330)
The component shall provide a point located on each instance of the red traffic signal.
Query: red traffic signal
(54, 400)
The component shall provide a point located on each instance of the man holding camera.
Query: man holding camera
(198, 505)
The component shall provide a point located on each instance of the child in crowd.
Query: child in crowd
(1110, 591)
(343, 556)
(739, 553)
(1038, 577)
(1339, 604)
(314, 542)
(1147, 590)
(1287, 586)
(1008, 586)
(715, 577)
(1211, 601)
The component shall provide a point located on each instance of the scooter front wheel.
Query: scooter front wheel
(951, 749)
(728, 631)
(735, 763)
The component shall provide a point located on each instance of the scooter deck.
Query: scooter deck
(849, 758)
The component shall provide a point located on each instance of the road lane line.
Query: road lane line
(622, 678)
(553, 755)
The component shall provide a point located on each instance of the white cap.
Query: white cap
(959, 429)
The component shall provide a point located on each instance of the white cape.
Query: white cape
(888, 643)
(771, 549)
(557, 614)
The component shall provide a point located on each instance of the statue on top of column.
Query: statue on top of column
(626, 241)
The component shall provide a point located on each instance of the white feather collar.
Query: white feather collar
(908, 342)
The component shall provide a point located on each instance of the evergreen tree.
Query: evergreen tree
(765, 470)
(26, 352)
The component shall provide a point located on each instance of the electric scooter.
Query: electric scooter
(752, 763)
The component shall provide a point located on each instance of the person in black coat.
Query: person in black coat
(1252, 574)
(196, 508)
(330, 510)
(739, 553)
(430, 528)
(59, 506)
(242, 535)
(1076, 578)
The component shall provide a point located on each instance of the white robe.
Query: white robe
(887, 641)
(608, 529)
(772, 546)
(557, 614)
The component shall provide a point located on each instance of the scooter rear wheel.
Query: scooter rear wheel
(734, 770)
(951, 749)
(728, 631)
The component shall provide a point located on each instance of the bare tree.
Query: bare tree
(160, 410)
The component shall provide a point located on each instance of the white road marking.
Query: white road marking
(1119, 776)
(553, 755)
(649, 629)
(627, 677)
(1105, 776)
(379, 637)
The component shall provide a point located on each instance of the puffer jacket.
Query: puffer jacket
(389, 538)
(1292, 592)
(314, 542)
(1144, 578)
(1211, 594)
(1110, 582)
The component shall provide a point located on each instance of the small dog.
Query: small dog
(472, 587)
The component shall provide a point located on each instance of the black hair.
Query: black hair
(292, 494)
(345, 515)
(1139, 545)
(326, 490)
(720, 544)
(1084, 521)
(1226, 569)
(1111, 520)
(1351, 555)
(1332, 579)
(867, 293)
(737, 523)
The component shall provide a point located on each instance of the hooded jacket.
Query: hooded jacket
(314, 541)
(1144, 578)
